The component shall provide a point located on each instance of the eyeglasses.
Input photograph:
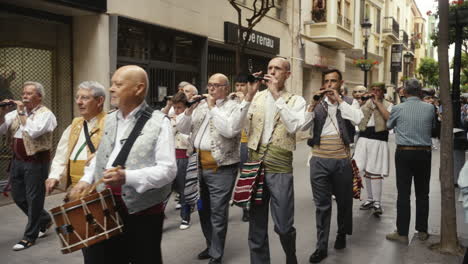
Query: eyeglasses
(215, 85)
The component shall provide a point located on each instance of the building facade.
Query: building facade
(64, 42)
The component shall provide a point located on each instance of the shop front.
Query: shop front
(260, 49)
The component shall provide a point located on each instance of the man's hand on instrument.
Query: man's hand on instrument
(272, 84)
(7, 108)
(252, 88)
(50, 184)
(80, 187)
(19, 106)
(334, 95)
(114, 177)
(189, 110)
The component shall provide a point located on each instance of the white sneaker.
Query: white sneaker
(43, 231)
(178, 206)
(184, 225)
(23, 244)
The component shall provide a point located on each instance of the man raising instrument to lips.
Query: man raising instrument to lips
(29, 131)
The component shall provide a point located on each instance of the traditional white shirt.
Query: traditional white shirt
(143, 179)
(351, 112)
(43, 123)
(292, 117)
(60, 161)
(227, 124)
(182, 141)
(371, 122)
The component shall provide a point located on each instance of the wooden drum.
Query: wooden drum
(86, 221)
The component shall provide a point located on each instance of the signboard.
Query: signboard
(397, 55)
(92, 5)
(257, 40)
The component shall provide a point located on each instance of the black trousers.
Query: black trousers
(28, 191)
(412, 164)
(140, 243)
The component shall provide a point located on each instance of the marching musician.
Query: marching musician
(332, 118)
(273, 120)
(215, 125)
(372, 153)
(81, 139)
(29, 131)
(140, 185)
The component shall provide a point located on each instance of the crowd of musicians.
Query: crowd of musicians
(222, 130)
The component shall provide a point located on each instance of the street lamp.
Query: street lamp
(366, 25)
(407, 58)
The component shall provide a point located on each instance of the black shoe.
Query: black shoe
(340, 241)
(245, 216)
(317, 256)
(204, 254)
(215, 261)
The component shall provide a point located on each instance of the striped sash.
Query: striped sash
(191, 180)
(331, 147)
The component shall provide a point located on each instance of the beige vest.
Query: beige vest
(32, 146)
(75, 130)
(368, 110)
(280, 138)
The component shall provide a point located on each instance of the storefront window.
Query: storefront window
(132, 41)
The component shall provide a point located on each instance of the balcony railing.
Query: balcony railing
(343, 21)
(339, 20)
(391, 26)
(405, 38)
(347, 23)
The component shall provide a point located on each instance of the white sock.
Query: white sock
(369, 188)
(377, 190)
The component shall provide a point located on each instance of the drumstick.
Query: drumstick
(91, 188)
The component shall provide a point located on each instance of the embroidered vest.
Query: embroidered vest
(345, 127)
(75, 130)
(141, 156)
(224, 150)
(32, 146)
(368, 109)
(281, 137)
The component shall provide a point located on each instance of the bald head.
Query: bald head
(286, 64)
(129, 86)
(218, 86)
(135, 74)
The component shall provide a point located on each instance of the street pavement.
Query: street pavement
(366, 245)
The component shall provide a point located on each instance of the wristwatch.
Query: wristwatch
(21, 113)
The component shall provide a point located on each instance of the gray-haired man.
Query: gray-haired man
(29, 131)
(73, 150)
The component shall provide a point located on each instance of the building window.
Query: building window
(280, 6)
(319, 11)
(377, 21)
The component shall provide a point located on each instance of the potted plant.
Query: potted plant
(458, 9)
(365, 64)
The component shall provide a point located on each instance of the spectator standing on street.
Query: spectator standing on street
(413, 121)
(372, 153)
